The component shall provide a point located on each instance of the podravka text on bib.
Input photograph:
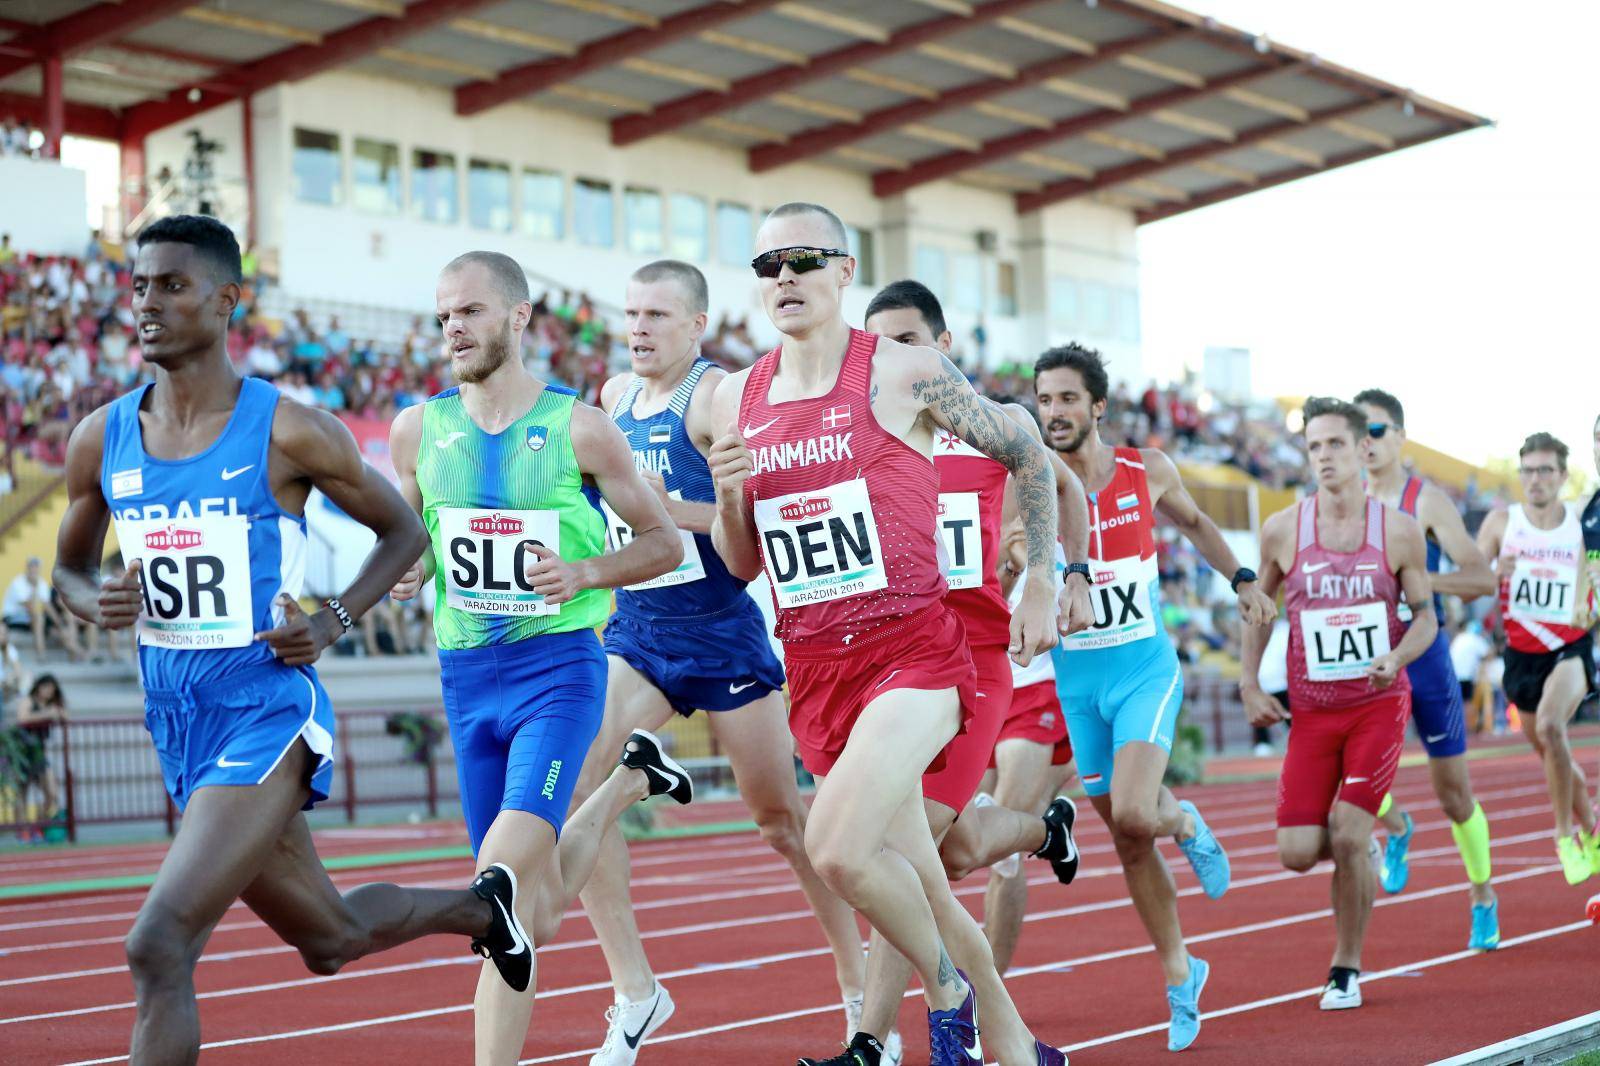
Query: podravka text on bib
(1122, 603)
(619, 535)
(1544, 591)
(196, 579)
(963, 544)
(1341, 642)
(821, 545)
(487, 554)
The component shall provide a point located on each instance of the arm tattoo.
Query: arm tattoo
(987, 427)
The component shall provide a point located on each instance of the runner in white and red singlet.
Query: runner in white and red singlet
(1547, 605)
(972, 494)
(823, 478)
(1343, 560)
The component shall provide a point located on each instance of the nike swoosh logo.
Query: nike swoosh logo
(634, 1038)
(670, 778)
(751, 431)
(227, 763)
(1435, 740)
(1311, 568)
(451, 439)
(736, 689)
(229, 475)
(1354, 780)
(521, 947)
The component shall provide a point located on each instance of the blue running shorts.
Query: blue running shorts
(522, 717)
(710, 662)
(235, 730)
(1113, 695)
(1436, 708)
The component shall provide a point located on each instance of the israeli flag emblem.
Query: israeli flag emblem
(537, 435)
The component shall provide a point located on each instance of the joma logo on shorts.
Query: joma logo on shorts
(549, 791)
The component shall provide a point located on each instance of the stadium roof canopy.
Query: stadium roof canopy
(1133, 102)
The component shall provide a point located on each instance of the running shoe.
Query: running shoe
(505, 943)
(628, 1022)
(889, 1053)
(1047, 1055)
(893, 1049)
(1059, 845)
(1342, 996)
(862, 1050)
(1485, 927)
(1574, 862)
(953, 1034)
(1591, 847)
(1396, 857)
(1205, 854)
(644, 752)
(1184, 1000)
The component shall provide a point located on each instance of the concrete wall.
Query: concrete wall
(391, 259)
(45, 205)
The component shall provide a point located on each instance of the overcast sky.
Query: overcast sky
(1460, 274)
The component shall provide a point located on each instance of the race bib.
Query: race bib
(1544, 591)
(196, 581)
(1123, 606)
(619, 535)
(1341, 642)
(486, 555)
(821, 545)
(963, 544)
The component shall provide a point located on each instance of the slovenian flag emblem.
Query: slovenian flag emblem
(1127, 500)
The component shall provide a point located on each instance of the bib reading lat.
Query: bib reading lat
(619, 535)
(1341, 642)
(487, 554)
(963, 544)
(1123, 606)
(1544, 591)
(196, 579)
(821, 545)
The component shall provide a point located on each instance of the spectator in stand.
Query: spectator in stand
(37, 714)
(29, 608)
(7, 253)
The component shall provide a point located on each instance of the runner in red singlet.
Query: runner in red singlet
(1548, 610)
(1342, 560)
(972, 494)
(823, 477)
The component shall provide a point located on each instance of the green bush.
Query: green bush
(1188, 762)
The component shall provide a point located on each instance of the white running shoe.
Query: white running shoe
(893, 1050)
(1335, 998)
(628, 1023)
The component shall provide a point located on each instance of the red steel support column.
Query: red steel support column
(247, 121)
(55, 107)
(132, 179)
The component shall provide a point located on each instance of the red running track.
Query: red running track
(728, 931)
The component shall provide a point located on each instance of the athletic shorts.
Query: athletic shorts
(1036, 717)
(830, 687)
(1349, 753)
(1436, 707)
(522, 717)
(1526, 672)
(709, 662)
(970, 754)
(236, 729)
(1115, 695)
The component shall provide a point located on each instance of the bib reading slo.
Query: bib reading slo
(487, 554)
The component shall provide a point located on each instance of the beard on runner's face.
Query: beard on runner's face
(472, 361)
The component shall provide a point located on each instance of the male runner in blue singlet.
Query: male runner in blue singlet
(206, 477)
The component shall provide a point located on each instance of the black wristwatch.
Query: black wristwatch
(1244, 574)
(1079, 568)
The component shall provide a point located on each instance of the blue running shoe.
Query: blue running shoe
(1047, 1055)
(1184, 1000)
(1485, 927)
(953, 1034)
(1205, 854)
(1396, 861)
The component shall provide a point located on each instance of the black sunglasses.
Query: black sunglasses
(1376, 430)
(800, 260)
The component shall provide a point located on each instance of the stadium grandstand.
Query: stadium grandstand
(1004, 152)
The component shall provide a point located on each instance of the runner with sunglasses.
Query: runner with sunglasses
(1436, 707)
(691, 639)
(823, 478)
(1547, 604)
(972, 493)
(1343, 561)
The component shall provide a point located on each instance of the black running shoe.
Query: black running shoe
(666, 777)
(505, 942)
(862, 1050)
(1059, 846)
